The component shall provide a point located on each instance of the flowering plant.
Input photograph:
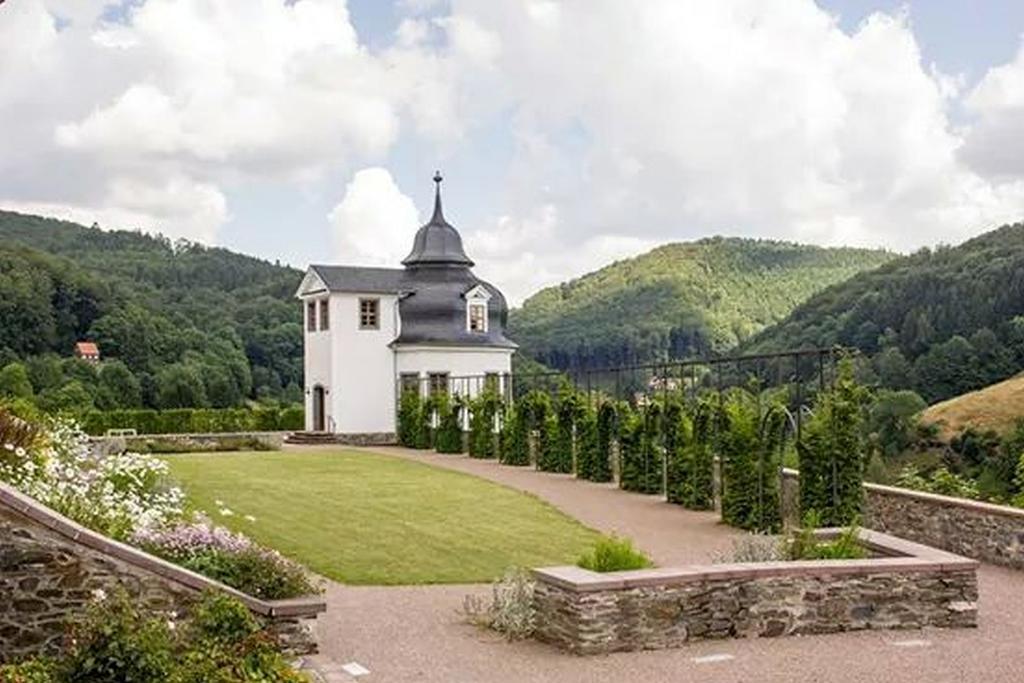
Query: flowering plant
(228, 557)
(112, 494)
(127, 496)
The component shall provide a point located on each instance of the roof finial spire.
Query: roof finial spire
(438, 214)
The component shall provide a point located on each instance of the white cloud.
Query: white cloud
(375, 222)
(673, 120)
(996, 142)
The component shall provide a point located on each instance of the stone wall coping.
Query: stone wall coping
(972, 505)
(902, 557)
(27, 506)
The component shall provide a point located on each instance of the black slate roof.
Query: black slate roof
(432, 288)
(437, 243)
(360, 279)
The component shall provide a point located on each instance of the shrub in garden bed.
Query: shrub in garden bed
(220, 642)
(483, 410)
(613, 554)
(640, 450)
(515, 437)
(689, 469)
(448, 438)
(228, 557)
(510, 610)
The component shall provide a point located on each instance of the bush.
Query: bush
(409, 417)
(483, 410)
(515, 436)
(448, 438)
(115, 643)
(570, 410)
(940, 481)
(805, 545)
(588, 445)
(222, 642)
(230, 558)
(832, 452)
(32, 671)
(510, 611)
(640, 451)
(613, 554)
(690, 471)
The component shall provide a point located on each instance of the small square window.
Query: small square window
(477, 318)
(311, 316)
(438, 383)
(410, 381)
(369, 314)
(325, 315)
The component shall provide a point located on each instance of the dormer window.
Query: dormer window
(476, 309)
(478, 317)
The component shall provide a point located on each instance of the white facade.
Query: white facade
(354, 368)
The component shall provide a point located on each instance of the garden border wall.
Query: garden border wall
(50, 567)
(908, 586)
(983, 531)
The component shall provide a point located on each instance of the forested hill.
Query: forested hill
(941, 322)
(679, 300)
(192, 325)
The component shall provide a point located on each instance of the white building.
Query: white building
(370, 330)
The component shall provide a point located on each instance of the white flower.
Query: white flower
(226, 512)
(99, 595)
(250, 518)
(219, 503)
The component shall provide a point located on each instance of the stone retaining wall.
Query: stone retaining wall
(50, 567)
(912, 586)
(991, 533)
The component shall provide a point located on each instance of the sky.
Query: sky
(570, 132)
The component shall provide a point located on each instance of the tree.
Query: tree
(892, 418)
(180, 386)
(119, 388)
(73, 397)
(14, 382)
(892, 369)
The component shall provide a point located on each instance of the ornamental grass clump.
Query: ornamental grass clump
(806, 545)
(613, 554)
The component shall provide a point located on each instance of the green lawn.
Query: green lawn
(361, 518)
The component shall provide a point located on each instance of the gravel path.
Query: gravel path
(415, 633)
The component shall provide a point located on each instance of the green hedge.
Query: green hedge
(833, 454)
(449, 426)
(690, 475)
(515, 437)
(483, 409)
(641, 451)
(195, 420)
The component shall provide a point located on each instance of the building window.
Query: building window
(311, 316)
(325, 315)
(369, 314)
(478, 317)
(438, 383)
(410, 381)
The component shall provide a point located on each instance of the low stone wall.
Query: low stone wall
(911, 586)
(991, 533)
(181, 443)
(50, 568)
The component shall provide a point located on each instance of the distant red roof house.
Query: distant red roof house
(87, 351)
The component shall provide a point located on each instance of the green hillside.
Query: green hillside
(190, 325)
(679, 300)
(942, 322)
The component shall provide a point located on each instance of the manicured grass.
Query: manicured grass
(362, 518)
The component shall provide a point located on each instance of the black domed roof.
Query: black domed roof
(437, 243)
